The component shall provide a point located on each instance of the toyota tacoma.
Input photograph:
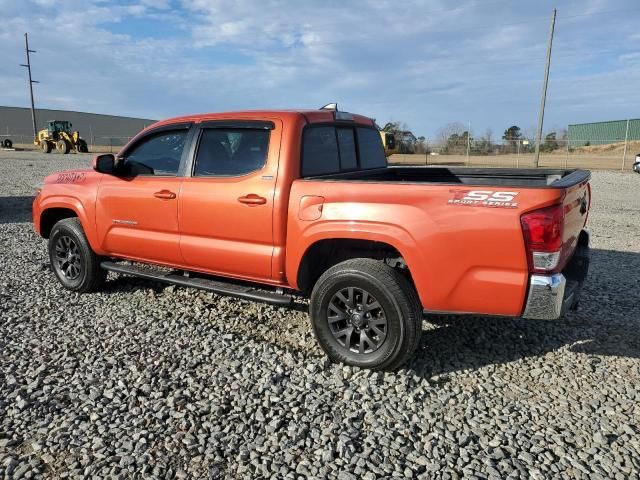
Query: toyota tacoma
(265, 205)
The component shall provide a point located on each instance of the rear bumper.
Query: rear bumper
(551, 296)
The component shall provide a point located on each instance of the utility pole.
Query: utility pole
(31, 82)
(626, 140)
(543, 99)
(468, 141)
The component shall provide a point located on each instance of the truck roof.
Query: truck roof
(311, 116)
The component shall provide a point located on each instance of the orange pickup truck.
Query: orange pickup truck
(263, 205)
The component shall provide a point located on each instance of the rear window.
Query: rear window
(320, 151)
(330, 149)
(371, 149)
(347, 149)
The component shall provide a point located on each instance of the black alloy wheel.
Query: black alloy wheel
(68, 258)
(357, 320)
(76, 266)
(366, 313)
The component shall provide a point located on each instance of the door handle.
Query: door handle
(252, 200)
(165, 194)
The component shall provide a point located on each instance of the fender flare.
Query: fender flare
(72, 203)
(393, 235)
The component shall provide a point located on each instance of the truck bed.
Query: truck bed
(529, 178)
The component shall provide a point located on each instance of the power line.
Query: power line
(601, 12)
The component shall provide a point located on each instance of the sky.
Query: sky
(427, 63)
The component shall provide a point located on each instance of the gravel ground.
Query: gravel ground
(152, 381)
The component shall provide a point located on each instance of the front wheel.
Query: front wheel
(63, 146)
(82, 146)
(367, 314)
(72, 260)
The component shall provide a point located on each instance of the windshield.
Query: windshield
(60, 126)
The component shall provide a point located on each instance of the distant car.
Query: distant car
(636, 164)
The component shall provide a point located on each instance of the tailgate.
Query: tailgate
(576, 204)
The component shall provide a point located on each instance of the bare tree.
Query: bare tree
(484, 146)
(488, 136)
(445, 132)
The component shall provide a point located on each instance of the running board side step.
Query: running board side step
(215, 286)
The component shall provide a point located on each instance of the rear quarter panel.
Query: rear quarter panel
(463, 258)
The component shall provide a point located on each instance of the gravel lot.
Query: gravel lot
(152, 381)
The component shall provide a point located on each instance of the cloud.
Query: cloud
(425, 62)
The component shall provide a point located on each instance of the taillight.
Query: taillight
(543, 231)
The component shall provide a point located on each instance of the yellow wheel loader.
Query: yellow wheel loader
(389, 143)
(59, 137)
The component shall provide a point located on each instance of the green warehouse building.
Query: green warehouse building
(600, 133)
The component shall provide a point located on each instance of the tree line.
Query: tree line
(454, 139)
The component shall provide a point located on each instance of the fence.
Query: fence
(97, 143)
(596, 154)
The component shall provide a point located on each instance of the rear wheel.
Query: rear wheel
(365, 313)
(46, 146)
(7, 143)
(62, 146)
(82, 147)
(72, 260)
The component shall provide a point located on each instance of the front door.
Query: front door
(137, 209)
(225, 209)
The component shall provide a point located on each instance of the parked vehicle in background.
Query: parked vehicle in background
(636, 164)
(388, 143)
(58, 136)
(260, 205)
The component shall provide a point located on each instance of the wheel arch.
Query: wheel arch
(53, 215)
(54, 209)
(324, 253)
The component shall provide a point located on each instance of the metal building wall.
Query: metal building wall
(600, 133)
(95, 128)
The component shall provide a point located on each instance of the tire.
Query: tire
(82, 147)
(46, 146)
(72, 260)
(7, 143)
(62, 146)
(392, 331)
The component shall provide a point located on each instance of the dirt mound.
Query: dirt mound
(633, 147)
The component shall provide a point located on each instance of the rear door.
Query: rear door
(137, 209)
(225, 210)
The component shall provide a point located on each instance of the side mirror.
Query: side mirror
(104, 163)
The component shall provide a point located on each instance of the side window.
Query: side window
(347, 144)
(371, 149)
(157, 154)
(320, 151)
(231, 151)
